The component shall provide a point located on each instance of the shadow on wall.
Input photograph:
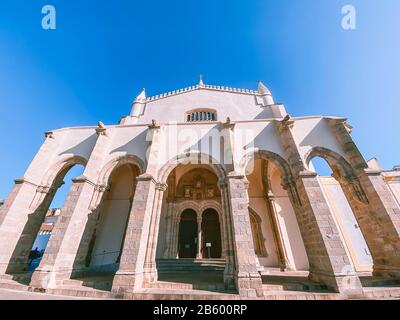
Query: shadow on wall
(321, 132)
(131, 147)
(81, 149)
(267, 139)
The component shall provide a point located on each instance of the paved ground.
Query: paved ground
(6, 294)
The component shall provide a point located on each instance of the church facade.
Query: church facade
(212, 183)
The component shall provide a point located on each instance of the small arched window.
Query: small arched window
(201, 115)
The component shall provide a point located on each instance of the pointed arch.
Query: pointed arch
(117, 162)
(190, 158)
(342, 171)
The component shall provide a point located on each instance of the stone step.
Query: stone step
(185, 286)
(98, 284)
(379, 282)
(294, 295)
(278, 272)
(23, 278)
(180, 294)
(294, 287)
(80, 292)
(13, 285)
(291, 283)
(382, 293)
(190, 265)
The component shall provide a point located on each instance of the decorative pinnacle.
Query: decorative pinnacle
(201, 83)
(262, 89)
(142, 96)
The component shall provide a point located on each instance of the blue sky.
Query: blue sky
(103, 52)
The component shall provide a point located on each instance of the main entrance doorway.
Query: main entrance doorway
(188, 234)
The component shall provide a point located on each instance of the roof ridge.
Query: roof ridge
(204, 86)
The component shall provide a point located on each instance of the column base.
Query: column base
(49, 279)
(126, 282)
(229, 277)
(150, 273)
(250, 286)
(349, 285)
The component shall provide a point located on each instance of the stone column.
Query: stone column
(379, 217)
(175, 237)
(199, 254)
(247, 277)
(169, 220)
(20, 229)
(23, 211)
(130, 274)
(328, 259)
(61, 259)
(150, 267)
(229, 254)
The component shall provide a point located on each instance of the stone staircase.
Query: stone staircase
(16, 281)
(288, 282)
(97, 286)
(190, 265)
(189, 274)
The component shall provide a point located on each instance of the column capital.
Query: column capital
(307, 174)
(340, 121)
(372, 172)
(146, 177)
(161, 186)
(97, 187)
(235, 175)
(153, 125)
(24, 180)
(228, 124)
(285, 124)
(101, 129)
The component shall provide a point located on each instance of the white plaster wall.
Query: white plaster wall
(113, 218)
(128, 140)
(292, 238)
(313, 132)
(293, 241)
(237, 106)
(109, 237)
(67, 143)
(347, 224)
(395, 188)
(260, 207)
(253, 136)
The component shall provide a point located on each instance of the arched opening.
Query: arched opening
(110, 220)
(339, 197)
(51, 208)
(187, 246)
(211, 231)
(277, 240)
(32, 241)
(192, 187)
(190, 247)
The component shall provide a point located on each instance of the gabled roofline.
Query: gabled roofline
(202, 87)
